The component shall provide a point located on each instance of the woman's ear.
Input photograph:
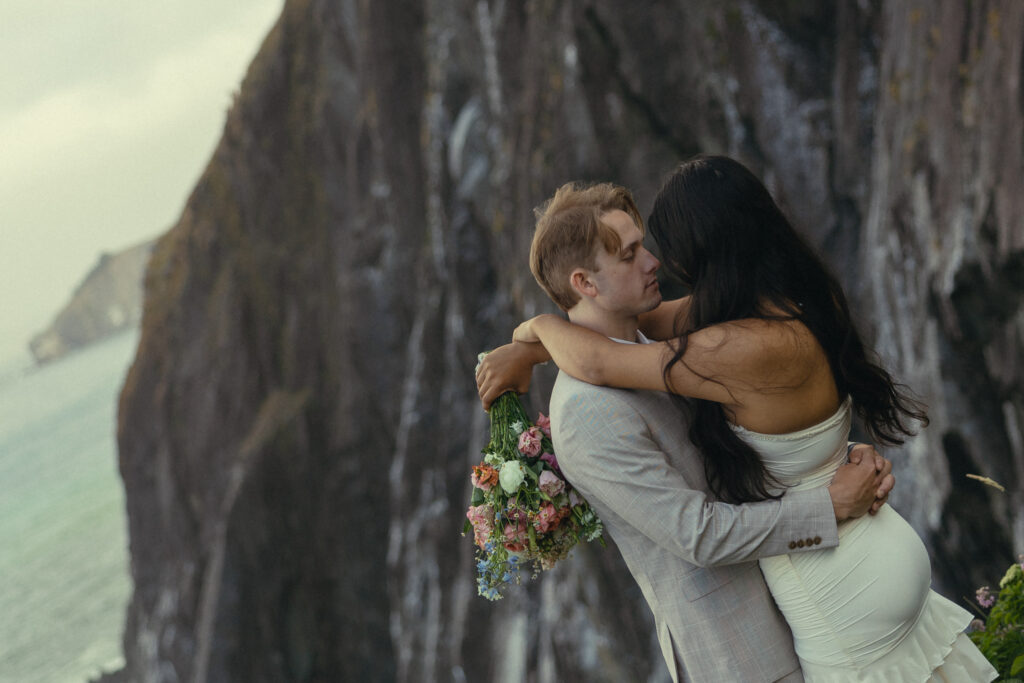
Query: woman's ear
(582, 283)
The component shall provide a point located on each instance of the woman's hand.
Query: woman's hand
(526, 333)
(508, 368)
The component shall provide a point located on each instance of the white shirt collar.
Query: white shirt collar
(640, 339)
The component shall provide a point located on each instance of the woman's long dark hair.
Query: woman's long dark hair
(720, 232)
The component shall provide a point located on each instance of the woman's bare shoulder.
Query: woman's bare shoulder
(756, 333)
(760, 350)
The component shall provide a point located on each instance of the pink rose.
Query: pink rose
(482, 519)
(529, 442)
(552, 461)
(550, 483)
(515, 537)
(547, 518)
(516, 514)
(544, 422)
(480, 514)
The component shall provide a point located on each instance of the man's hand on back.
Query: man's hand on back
(862, 485)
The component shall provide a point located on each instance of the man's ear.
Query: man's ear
(582, 283)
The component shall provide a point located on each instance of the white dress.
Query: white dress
(862, 611)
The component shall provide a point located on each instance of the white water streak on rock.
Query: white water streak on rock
(510, 645)
(486, 22)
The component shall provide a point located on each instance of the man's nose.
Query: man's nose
(654, 262)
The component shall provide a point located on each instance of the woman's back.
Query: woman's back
(776, 375)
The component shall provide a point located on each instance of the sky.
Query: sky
(109, 112)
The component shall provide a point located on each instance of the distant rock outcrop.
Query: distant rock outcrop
(108, 300)
(296, 431)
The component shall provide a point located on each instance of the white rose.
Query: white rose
(511, 476)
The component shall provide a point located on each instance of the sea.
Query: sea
(64, 567)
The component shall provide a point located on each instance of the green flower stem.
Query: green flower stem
(505, 411)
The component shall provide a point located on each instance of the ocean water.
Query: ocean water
(64, 577)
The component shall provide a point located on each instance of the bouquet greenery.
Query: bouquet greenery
(1000, 636)
(523, 511)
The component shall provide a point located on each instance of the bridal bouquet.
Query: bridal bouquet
(522, 511)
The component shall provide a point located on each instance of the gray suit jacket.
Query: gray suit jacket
(628, 452)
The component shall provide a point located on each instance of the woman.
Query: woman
(765, 347)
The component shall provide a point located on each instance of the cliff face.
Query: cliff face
(107, 301)
(296, 431)
(942, 261)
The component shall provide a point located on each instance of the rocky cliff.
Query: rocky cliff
(296, 430)
(107, 301)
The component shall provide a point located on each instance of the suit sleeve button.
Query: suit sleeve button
(792, 545)
(817, 540)
(800, 543)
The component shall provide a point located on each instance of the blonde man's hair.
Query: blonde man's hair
(569, 228)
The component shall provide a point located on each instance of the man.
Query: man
(628, 453)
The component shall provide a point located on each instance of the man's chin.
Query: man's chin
(654, 301)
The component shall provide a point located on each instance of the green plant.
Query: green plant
(1001, 635)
